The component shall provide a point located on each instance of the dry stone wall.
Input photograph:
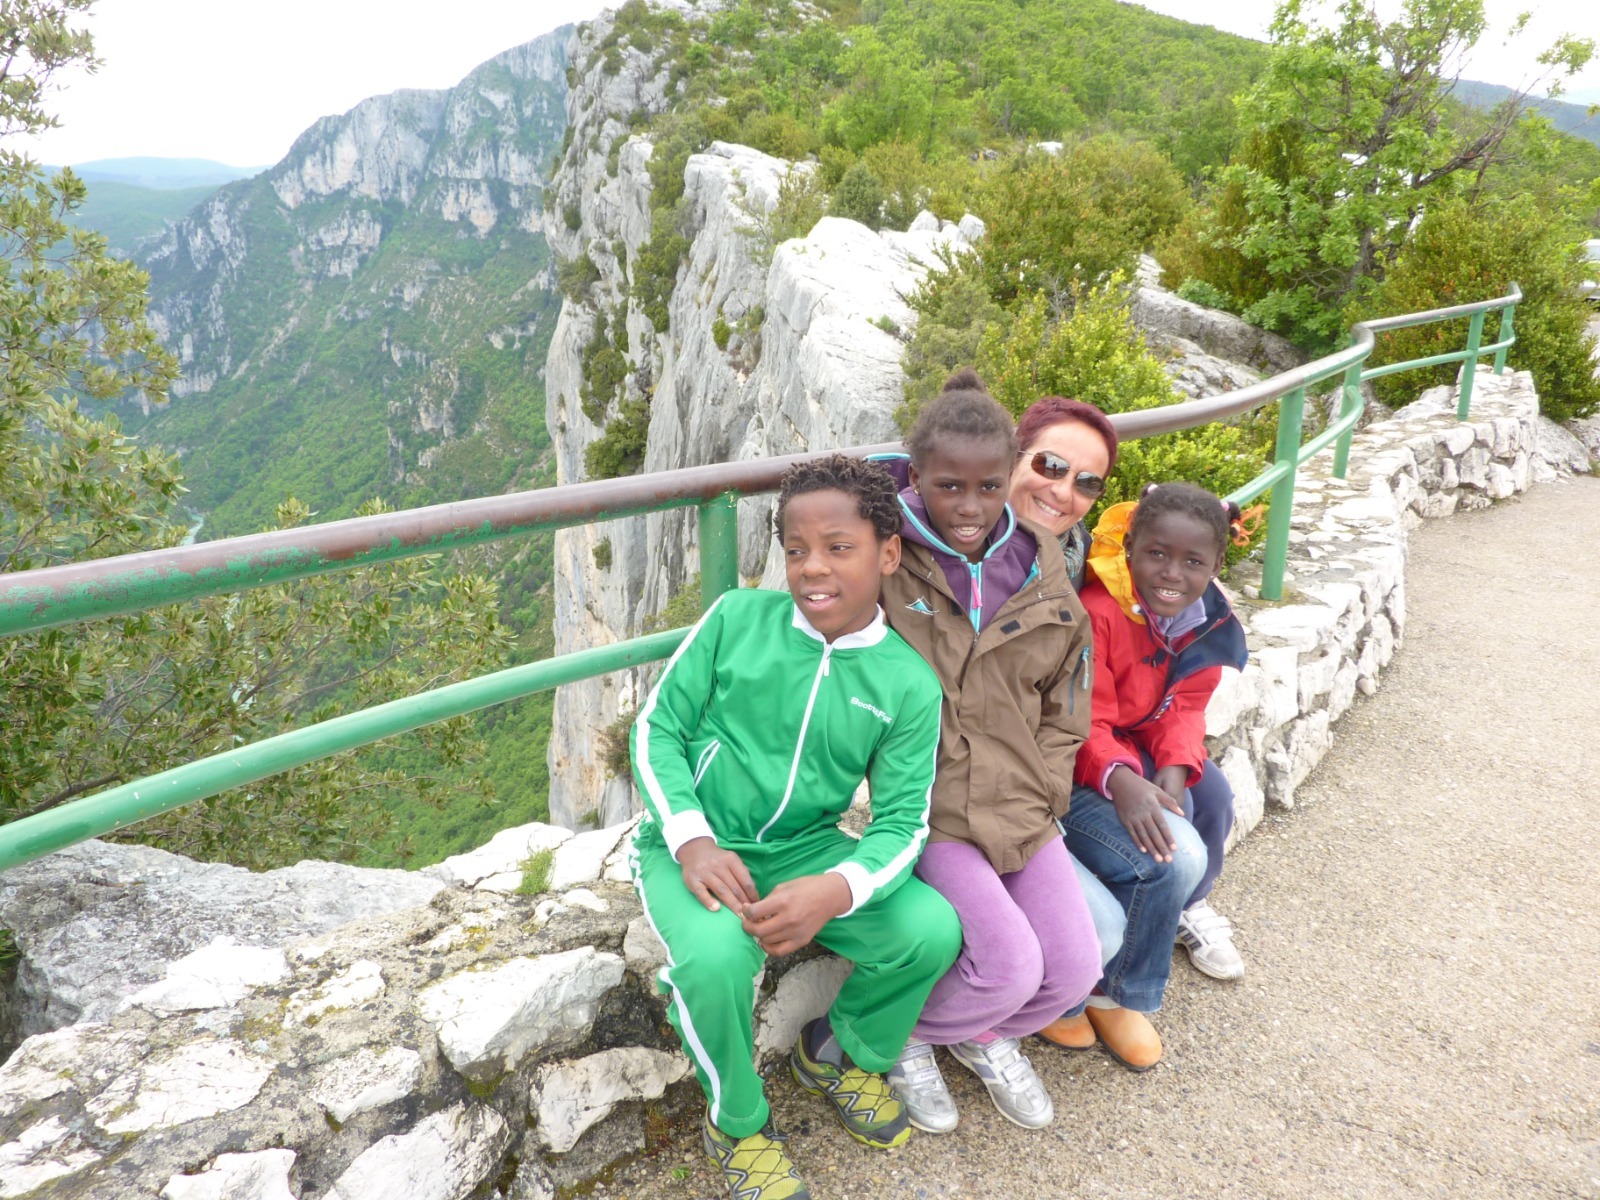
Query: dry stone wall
(458, 1038)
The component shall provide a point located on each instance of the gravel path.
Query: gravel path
(1420, 1013)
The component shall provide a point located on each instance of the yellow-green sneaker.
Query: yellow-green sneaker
(865, 1106)
(755, 1167)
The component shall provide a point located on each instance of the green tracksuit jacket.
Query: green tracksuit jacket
(758, 734)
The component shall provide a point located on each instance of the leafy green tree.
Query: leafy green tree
(1465, 252)
(1349, 139)
(1054, 220)
(101, 702)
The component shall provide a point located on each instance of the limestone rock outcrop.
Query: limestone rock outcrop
(117, 916)
(768, 348)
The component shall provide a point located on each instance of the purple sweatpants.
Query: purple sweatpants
(1028, 947)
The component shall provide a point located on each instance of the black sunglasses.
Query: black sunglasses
(1053, 467)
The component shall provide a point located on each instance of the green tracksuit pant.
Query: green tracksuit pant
(901, 944)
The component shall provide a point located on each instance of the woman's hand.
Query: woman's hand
(792, 912)
(1139, 803)
(716, 876)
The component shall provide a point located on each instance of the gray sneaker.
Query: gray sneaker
(1208, 937)
(917, 1084)
(1005, 1070)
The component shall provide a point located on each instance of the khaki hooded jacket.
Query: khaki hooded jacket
(1016, 700)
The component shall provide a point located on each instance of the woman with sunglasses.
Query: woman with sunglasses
(1068, 448)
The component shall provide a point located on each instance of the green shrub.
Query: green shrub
(604, 366)
(905, 179)
(576, 276)
(721, 331)
(1198, 291)
(573, 215)
(683, 608)
(859, 197)
(801, 203)
(833, 162)
(615, 755)
(536, 873)
(655, 270)
(1462, 253)
(954, 309)
(620, 449)
(602, 554)
(778, 134)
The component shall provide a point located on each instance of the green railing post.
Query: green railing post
(1505, 336)
(1469, 366)
(1350, 401)
(719, 548)
(1291, 411)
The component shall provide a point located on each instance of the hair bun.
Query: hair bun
(965, 380)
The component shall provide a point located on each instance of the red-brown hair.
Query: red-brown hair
(1057, 410)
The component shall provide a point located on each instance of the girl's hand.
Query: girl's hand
(792, 912)
(1174, 781)
(1139, 803)
(716, 876)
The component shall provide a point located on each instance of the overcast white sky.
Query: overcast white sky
(237, 82)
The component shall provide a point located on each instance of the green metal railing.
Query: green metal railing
(75, 592)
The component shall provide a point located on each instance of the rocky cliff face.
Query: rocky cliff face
(391, 265)
(802, 364)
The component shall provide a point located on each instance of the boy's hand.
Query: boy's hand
(716, 876)
(1139, 803)
(1174, 781)
(792, 912)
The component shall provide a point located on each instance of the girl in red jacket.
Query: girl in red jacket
(1163, 631)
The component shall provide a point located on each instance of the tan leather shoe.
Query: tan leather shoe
(1128, 1035)
(1072, 1033)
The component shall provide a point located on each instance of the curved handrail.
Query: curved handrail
(60, 595)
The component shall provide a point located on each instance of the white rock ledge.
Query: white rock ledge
(488, 1019)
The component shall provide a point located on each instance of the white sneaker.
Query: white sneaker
(1208, 937)
(917, 1083)
(1005, 1070)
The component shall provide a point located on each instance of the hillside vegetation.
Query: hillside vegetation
(1266, 178)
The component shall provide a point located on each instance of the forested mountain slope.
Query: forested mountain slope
(368, 317)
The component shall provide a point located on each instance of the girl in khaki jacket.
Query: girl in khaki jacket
(986, 600)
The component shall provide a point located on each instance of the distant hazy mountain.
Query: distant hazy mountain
(127, 215)
(1570, 114)
(163, 174)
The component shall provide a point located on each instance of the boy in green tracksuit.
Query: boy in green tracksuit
(746, 753)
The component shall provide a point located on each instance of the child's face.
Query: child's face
(964, 487)
(834, 561)
(1172, 558)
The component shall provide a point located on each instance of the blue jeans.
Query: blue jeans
(1105, 910)
(1209, 807)
(1152, 894)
